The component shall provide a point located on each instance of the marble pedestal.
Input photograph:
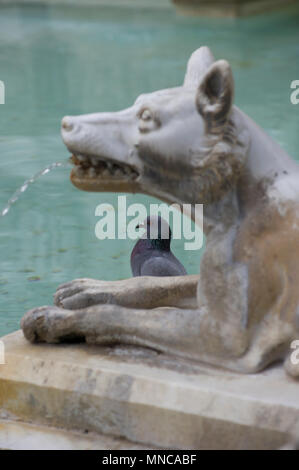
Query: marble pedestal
(99, 398)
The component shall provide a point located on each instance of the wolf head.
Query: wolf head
(177, 144)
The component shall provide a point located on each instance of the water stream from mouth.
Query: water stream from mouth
(16, 195)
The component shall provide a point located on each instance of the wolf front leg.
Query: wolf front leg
(136, 292)
(187, 333)
(161, 328)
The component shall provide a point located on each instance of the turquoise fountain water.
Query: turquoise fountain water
(58, 61)
(18, 193)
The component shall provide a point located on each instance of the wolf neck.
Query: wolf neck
(265, 160)
(265, 163)
(265, 157)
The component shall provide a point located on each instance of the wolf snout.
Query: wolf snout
(70, 132)
(67, 124)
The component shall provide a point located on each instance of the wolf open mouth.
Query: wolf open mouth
(94, 167)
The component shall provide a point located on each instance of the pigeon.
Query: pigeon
(151, 256)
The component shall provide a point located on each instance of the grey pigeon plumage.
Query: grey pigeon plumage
(151, 255)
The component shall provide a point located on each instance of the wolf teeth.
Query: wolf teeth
(92, 172)
(81, 158)
(105, 173)
(93, 166)
(95, 161)
(118, 173)
(127, 170)
(110, 166)
(80, 172)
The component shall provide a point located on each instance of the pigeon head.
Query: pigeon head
(157, 232)
(152, 256)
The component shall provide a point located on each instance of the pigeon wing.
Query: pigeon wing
(162, 266)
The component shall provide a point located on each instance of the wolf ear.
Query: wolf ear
(215, 95)
(198, 64)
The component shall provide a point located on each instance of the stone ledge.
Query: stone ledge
(145, 397)
(17, 435)
(87, 3)
(229, 8)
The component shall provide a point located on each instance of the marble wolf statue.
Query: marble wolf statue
(190, 144)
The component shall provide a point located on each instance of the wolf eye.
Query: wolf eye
(148, 121)
(146, 115)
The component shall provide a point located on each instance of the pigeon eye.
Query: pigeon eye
(146, 115)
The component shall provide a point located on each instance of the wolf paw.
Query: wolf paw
(44, 324)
